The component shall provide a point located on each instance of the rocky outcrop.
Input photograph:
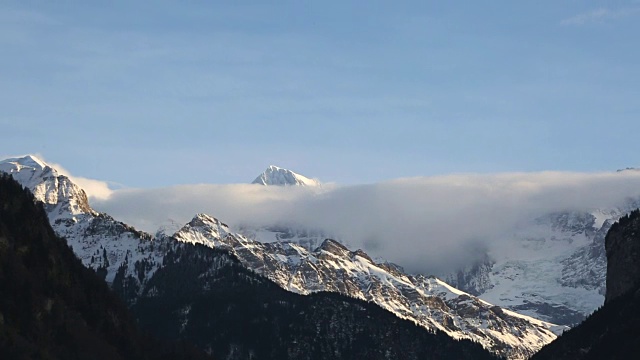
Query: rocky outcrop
(623, 256)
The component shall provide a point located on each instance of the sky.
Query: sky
(147, 96)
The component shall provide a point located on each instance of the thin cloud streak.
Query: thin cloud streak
(427, 224)
(600, 15)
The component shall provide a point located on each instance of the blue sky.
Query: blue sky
(349, 92)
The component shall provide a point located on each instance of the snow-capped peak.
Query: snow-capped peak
(282, 177)
(28, 161)
(202, 228)
(206, 220)
(47, 185)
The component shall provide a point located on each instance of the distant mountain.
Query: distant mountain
(552, 267)
(51, 306)
(612, 331)
(276, 176)
(182, 281)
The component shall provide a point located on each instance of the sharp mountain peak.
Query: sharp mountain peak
(277, 176)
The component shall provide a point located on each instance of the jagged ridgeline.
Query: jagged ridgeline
(51, 306)
(230, 311)
(612, 331)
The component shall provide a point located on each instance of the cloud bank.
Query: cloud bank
(428, 224)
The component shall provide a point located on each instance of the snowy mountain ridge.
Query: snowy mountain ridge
(276, 176)
(428, 301)
(128, 260)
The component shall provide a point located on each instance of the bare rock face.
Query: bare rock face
(623, 256)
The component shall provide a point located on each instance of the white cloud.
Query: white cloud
(600, 15)
(95, 189)
(429, 224)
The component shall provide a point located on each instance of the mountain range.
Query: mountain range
(52, 307)
(211, 293)
(551, 267)
(129, 261)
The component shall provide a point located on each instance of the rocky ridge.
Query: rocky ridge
(428, 301)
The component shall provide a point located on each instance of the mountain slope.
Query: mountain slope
(99, 241)
(234, 313)
(50, 305)
(612, 331)
(277, 176)
(552, 268)
(428, 301)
